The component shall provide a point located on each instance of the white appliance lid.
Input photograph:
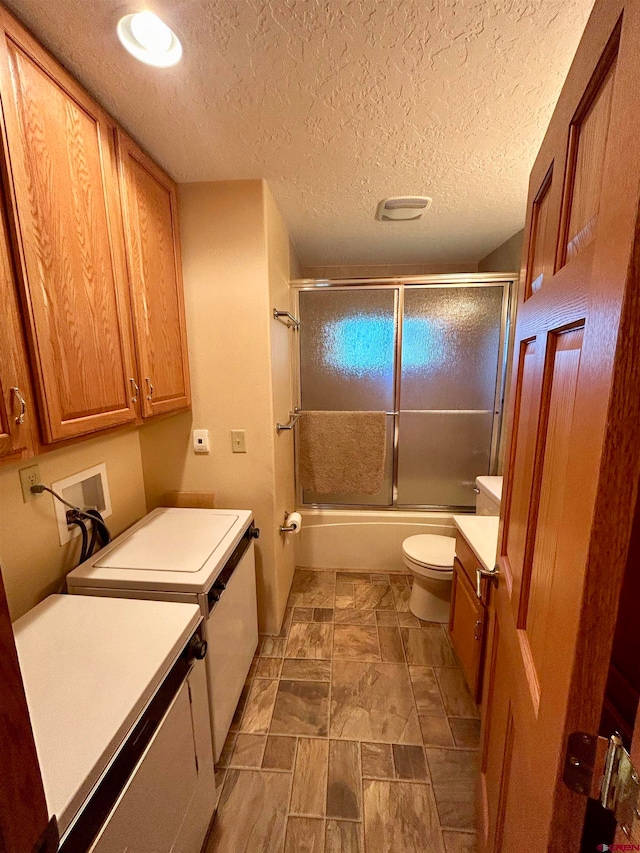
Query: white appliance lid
(429, 549)
(89, 666)
(171, 542)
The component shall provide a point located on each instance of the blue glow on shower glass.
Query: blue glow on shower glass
(423, 344)
(360, 345)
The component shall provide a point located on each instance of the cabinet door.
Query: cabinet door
(17, 415)
(466, 626)
(69, 243)
(152, 239)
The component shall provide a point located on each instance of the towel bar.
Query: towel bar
(293, 420)
(290, 320)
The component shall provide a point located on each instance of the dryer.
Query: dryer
(206, 556)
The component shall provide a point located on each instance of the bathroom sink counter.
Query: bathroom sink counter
(481, 534)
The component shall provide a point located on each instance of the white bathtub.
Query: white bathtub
(363, 539)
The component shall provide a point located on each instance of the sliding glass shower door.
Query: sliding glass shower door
(431, 357)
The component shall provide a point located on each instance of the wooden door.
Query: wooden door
(17, 412)
(61, 169)
(574, 455)
(150, 214)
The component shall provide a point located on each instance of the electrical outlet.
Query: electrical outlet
(238, 441)
(29, 477)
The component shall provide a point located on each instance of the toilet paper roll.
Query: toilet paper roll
(294, 519)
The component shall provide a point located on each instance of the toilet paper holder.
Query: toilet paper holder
(289, 528)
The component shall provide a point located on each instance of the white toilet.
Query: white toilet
(429, 558)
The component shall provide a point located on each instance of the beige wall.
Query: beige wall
(33, 561)
(236, 262)
(506, 258)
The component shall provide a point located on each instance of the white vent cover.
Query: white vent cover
(402, 208)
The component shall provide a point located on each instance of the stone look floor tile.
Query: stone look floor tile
(390, 644)
(426, 691)
(279, 753)
(400, 817)
(344, 799)
(355, 642)
(373, 702)
(436, 731)
(377, 760)
(454, 777)
(306, 670)
(304, 835)
(252, 812)
(459, 842)
(372, 596)
(309, 640)
(427, 647)
(349, 616)
(309, 792)
(466, 732)
(268, 668)
(301, 708)
(343, 836)
(248, 751)
(410, 763)
(350, 732)
(458, 702)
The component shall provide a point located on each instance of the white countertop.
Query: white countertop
(481, 532)
(174, 550)
(90, 665)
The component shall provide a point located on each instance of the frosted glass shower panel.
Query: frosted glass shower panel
(450, 347)
(440, 455)
(347, 349)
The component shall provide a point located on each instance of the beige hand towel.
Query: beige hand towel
(342, 452)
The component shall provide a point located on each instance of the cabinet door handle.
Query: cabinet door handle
(493, 575)
(135, 389)
(150, 388)
(23, 404)
(476, 630)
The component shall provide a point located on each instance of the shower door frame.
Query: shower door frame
(508, 281)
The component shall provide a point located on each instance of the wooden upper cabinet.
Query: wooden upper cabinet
(149, 203)
(18, 432)
(68, 236)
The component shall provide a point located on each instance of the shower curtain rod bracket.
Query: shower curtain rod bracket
(289, 320)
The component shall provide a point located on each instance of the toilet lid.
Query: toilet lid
(427, 549)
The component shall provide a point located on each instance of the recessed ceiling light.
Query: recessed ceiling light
(149, 39)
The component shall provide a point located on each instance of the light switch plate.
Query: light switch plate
(238, 441)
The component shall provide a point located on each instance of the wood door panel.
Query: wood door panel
(153, 254)
(73, 274)
(538, 261)
(467, 628)
(17, 440)
(540, 568)
(524, 430)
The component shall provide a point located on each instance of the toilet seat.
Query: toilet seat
(430, 555)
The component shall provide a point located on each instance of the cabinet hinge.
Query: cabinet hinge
(602, 769)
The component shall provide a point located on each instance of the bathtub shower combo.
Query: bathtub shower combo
(430, 353)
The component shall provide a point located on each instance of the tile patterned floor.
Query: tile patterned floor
(355, 732)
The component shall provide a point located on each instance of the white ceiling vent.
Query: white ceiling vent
(402, 208)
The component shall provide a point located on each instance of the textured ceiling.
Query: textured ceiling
(340, 103)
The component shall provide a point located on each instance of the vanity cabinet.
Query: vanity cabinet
(150, 214)
(60, 163)
(468, 616)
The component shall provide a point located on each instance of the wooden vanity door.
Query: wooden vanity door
(150, 210)
(69, 245)
(569, 498)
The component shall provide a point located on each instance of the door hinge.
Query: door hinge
(602, 769)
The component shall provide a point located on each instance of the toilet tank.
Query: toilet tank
(488, 495)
